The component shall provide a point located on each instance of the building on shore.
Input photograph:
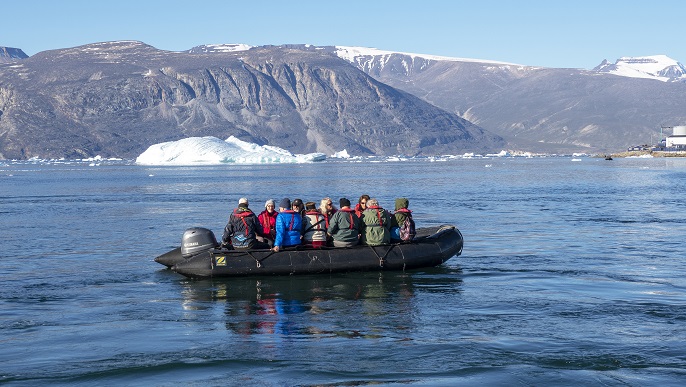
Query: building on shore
(674, 143)
(677, 139)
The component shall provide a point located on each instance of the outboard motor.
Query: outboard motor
(196, 240)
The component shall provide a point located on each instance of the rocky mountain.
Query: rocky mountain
(540, 109)
(9, 54)
(115, 99)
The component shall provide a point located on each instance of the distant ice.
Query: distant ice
(214, 151)
(341, 155)
(503, 153)
(211, 150)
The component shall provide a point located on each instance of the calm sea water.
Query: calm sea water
(572, 273)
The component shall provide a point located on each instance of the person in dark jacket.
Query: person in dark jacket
(288, 226)
(298, 206)
(241, 229)
(344, 226)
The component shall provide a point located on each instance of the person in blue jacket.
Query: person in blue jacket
(288, 226)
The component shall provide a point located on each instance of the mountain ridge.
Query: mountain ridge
(118, 98)
(537, 108)
(671, 70)
(513, 106)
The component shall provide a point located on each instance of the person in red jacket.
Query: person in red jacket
(361, 205)
(267, 218)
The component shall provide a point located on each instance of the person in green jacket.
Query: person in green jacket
(376, 225)
(344, 226)
(402, 224)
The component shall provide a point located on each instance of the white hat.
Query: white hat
(243, 200)
(268, 202)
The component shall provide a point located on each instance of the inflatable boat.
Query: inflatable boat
(200, 256)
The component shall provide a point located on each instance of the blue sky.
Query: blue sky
(549, 33)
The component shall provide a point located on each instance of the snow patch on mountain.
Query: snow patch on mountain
(208, 48)
(352, 53)
(659, 67)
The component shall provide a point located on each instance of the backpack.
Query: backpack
(407, 230)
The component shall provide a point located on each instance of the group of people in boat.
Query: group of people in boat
(297, 223)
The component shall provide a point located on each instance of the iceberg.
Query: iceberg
(211, 151)
(341, 155)
(503, 153)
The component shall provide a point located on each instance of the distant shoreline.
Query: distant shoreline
(651, 153)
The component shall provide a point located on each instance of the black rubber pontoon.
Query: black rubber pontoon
(431, 247)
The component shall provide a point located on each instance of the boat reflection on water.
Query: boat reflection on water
(342, 305)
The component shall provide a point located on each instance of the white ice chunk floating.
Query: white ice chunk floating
(211, 150)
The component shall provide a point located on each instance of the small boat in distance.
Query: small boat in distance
(200, 256)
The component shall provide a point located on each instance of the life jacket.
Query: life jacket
(318, 225)
(315, 233)
(350, 216)
(290, 226)
(327, 217)
(378, 213)
(289, 231)
(358, 210)
(242, 215)
(268, 222)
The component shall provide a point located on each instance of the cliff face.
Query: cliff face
(11, 54)
(116, 99)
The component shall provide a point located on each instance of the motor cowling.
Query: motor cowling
(196, 240)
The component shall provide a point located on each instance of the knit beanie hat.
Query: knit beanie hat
(285, 203)
(344, 202)
(268, 202)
